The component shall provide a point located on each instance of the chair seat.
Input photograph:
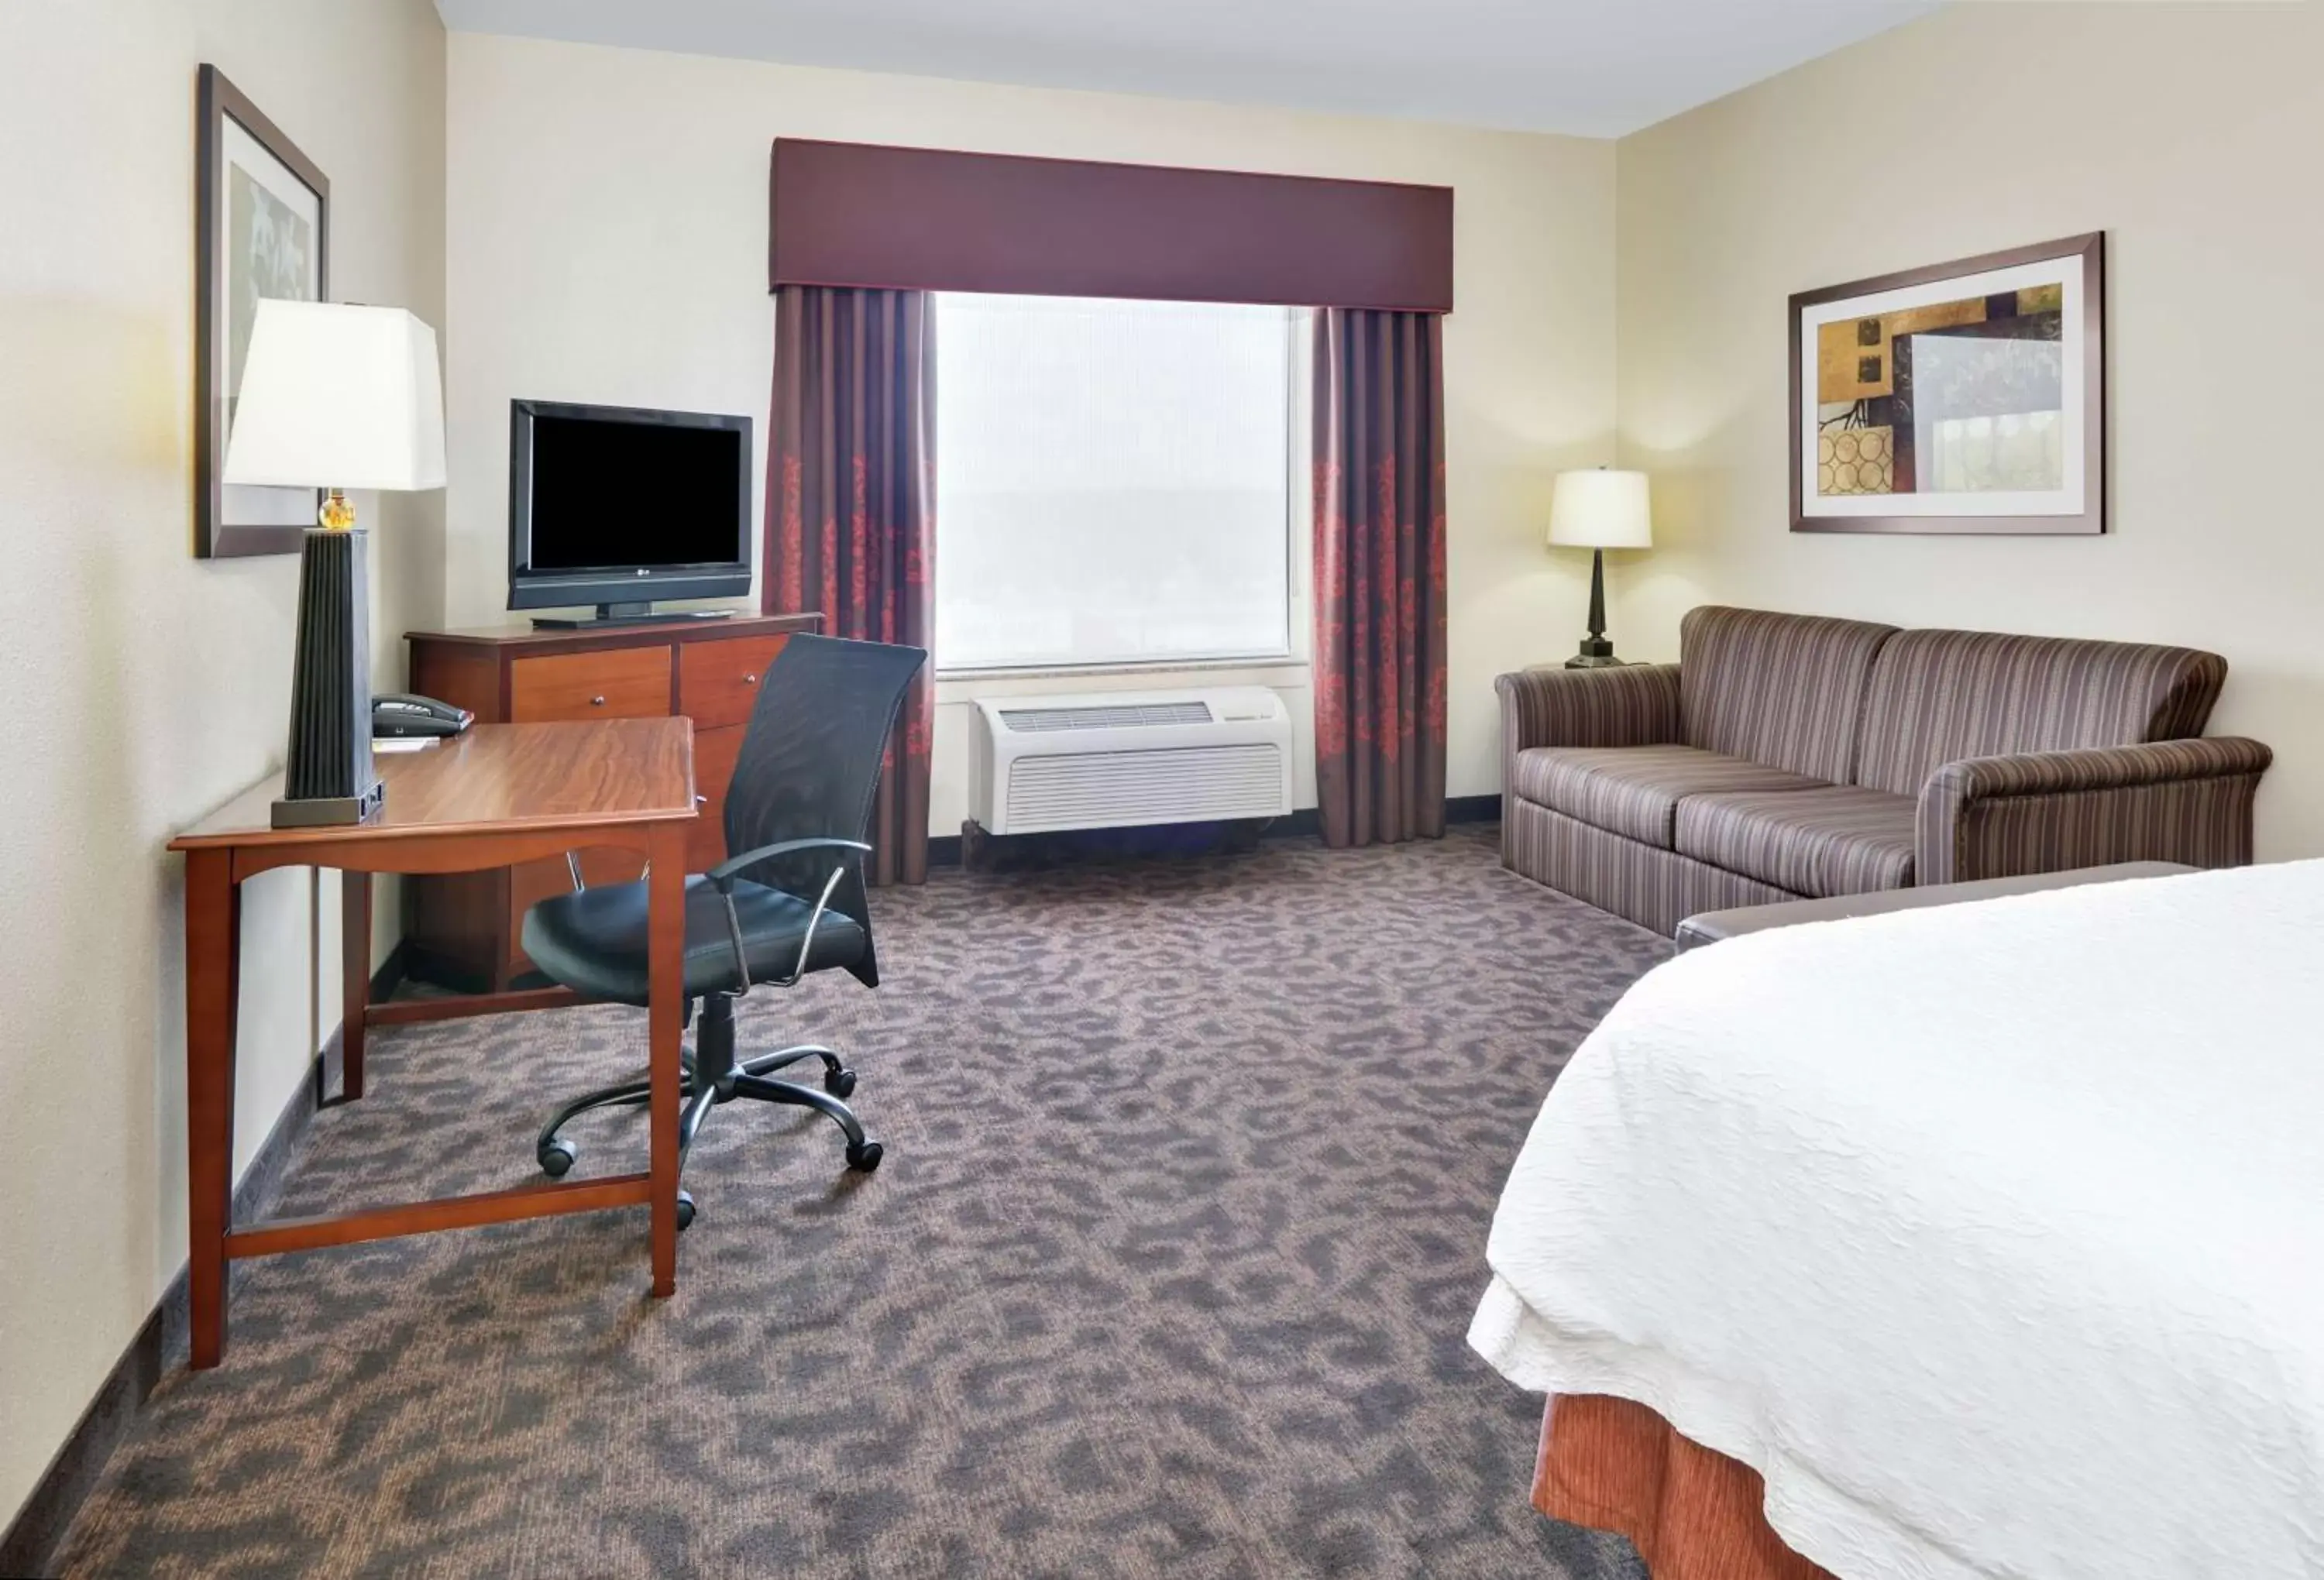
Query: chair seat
(1841, 840)
(594, 941)
(1636, 790)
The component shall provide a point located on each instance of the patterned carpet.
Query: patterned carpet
(1189, 1166)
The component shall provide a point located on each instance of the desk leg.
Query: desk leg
(213, 988)
(666, 985)
(355, 980)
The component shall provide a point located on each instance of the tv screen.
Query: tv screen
(608, 504)
(615, 493)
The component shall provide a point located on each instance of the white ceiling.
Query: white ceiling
(1597, 68)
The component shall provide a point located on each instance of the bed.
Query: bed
(1974, 1240)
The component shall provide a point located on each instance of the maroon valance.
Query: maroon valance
(853, 214)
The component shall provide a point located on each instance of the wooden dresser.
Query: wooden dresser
(462, 929)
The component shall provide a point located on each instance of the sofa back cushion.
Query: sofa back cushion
(1939, 696)
(1786, 690)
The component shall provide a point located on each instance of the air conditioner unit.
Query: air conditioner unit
(1117, 760)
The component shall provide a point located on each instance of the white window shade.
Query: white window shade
(1113, 482)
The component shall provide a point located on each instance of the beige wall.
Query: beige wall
(600, 237)
(607, 242)
(147, 686)
(2190, 135)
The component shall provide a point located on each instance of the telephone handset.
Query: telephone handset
(394, 713)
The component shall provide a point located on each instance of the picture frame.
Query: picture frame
(262, 213)
(1967, 397)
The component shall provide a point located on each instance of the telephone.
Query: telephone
(395, 713)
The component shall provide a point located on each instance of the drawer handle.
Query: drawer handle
(596, 701)
(750, 680)
(702, 801)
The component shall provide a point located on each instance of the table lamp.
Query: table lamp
(1598, 510)
(336, 397)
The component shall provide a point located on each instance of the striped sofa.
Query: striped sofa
(1787, 756)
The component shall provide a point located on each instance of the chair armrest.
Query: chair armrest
(724, 873)
(1633, 704)
(2105, 767)
(2187, 801)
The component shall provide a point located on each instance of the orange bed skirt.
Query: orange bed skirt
(1692, 1514)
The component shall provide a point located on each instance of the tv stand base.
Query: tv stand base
(624, 614)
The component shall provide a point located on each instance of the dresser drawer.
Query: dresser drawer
(618, 682)
(719, 681)
(715, 755)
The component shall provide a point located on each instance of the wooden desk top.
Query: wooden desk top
(496, 778)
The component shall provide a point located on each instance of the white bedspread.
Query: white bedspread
(1993, 1234)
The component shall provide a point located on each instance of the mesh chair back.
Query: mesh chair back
(811, 756)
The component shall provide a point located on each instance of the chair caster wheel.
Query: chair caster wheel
(866, 1157)
(840, 1083)
(556, 1156)
(685, 1210)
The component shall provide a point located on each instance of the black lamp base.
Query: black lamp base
(1597, 652)
(329, 777)
(324, 810)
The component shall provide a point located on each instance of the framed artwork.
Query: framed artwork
(262, 217)
(1964, 397)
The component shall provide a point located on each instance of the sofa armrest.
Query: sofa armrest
(1630, 705)
(2188, 801)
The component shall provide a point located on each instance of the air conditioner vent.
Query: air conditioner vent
(1105, 716)
(1112, 788)
(1119, 759)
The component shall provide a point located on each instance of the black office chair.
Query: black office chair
(791, 901)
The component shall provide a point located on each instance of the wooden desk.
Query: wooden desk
(462, 929)
(498, 794)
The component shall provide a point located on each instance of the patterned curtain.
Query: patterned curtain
(1379, 575)
(850, 511)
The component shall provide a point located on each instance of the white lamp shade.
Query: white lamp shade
(336, 396)
(1600, 510)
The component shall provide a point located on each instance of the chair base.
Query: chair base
(710, 1076)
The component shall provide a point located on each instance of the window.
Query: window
(1113, 482)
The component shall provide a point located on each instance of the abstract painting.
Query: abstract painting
(1967, 397)
(263, 225)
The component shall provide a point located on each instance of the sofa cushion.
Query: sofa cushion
(1936, 697)
(1635, 790)
(1786, 690)
(1840, 840)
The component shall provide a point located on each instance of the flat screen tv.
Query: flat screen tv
(615, 507)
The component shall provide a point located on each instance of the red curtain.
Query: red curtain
(1379, 575)
(849, 497)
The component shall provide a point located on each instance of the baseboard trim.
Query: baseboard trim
(1473, 809)
(1308, 823)
(944, 849)
(442, 971)
(29, 1545)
